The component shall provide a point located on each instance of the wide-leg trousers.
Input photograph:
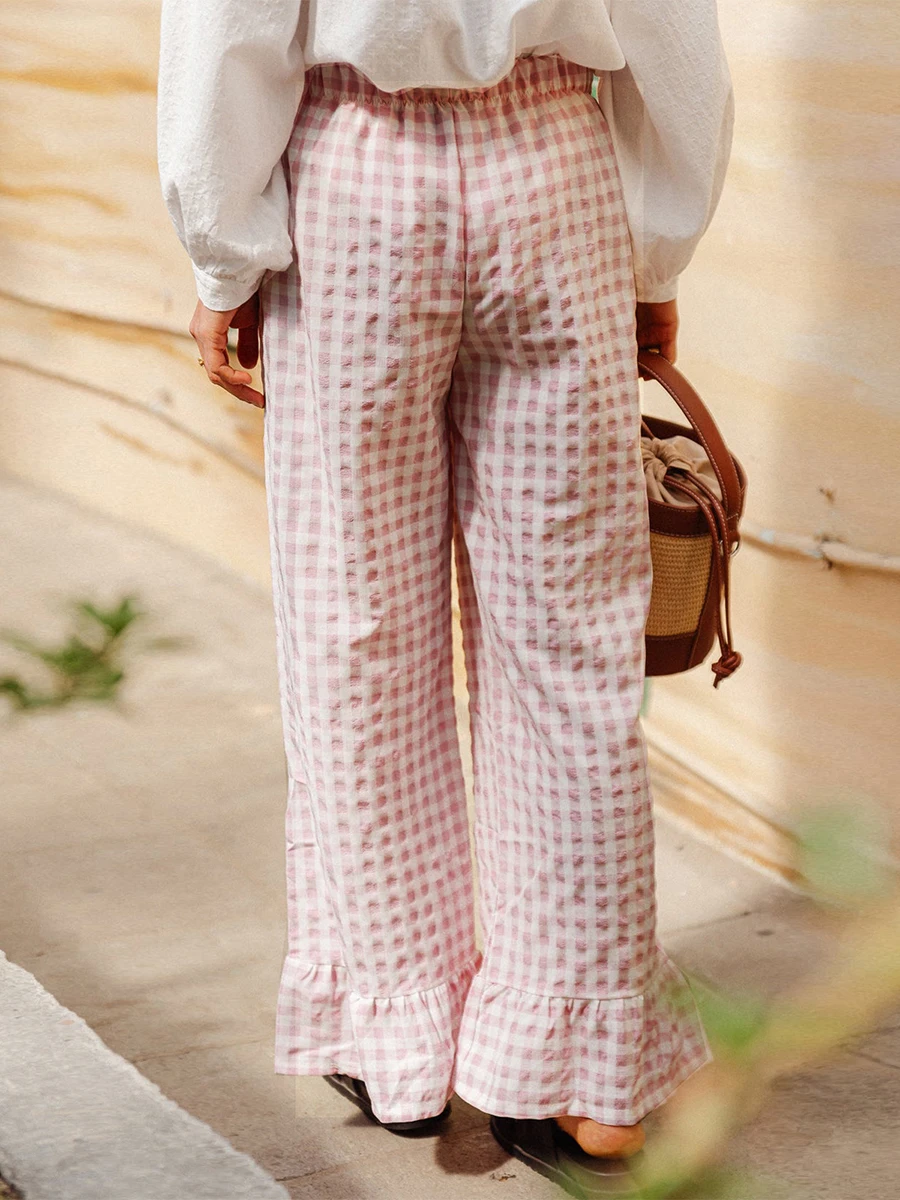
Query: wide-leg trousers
(450, 361)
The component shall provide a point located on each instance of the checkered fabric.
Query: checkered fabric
(451, 361)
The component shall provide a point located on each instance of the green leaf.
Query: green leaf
(731, 1183)
(839, 844)
(732, 1021)
(100, 682)
(115, 620)
(74, 657)
(22, 697)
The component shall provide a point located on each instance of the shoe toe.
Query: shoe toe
(547, 1148)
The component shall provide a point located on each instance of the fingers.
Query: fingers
(246, 322)
(657, 328)
(248, 394)
(209, 330)
(237, 383)
(248, 346)
(665, 345)
(223, 375)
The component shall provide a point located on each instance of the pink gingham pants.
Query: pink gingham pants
(451, 359)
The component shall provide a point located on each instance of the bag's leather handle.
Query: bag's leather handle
(652, 365)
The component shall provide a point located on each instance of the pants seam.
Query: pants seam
(651, 979)
(471, 963)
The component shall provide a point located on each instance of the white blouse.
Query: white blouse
(231, 77)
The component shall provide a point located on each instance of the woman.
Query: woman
(448, 253)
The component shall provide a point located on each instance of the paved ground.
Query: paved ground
(79, 1122)
(142, 885)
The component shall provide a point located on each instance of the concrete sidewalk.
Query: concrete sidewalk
(142, 885)
(80, 1123)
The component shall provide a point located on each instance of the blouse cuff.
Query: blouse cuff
(222, 295)
(658, 293)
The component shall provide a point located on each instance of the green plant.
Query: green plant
(87, 665)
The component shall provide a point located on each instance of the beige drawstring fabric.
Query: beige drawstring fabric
(660, 455)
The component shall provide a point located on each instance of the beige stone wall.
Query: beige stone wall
(789, 319)
(788, 330)
(101, 392)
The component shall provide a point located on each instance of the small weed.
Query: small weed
(87, 665)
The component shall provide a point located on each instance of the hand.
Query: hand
(657, 327)
(209, 329)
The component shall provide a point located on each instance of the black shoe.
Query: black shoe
(356, 1090)
(546, 1147)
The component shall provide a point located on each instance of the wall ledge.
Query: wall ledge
(714, 816)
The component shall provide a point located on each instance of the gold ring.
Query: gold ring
(201, 362)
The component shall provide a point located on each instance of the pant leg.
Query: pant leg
(359, 340)
(576, 1008)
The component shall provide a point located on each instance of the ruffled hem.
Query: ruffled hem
(402, 1046)
(611, 1060)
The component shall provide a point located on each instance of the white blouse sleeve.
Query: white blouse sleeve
(670, 113)
(230, 80)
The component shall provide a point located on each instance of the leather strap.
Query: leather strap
(652, 365)
(711, 507)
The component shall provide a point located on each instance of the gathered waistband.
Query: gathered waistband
(542, 74)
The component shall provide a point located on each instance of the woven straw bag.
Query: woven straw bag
(696, 490)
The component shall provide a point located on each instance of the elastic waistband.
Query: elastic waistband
(530, 75)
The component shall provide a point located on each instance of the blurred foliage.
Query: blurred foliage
(840, 849)
(732, 1022)
(88, 663)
